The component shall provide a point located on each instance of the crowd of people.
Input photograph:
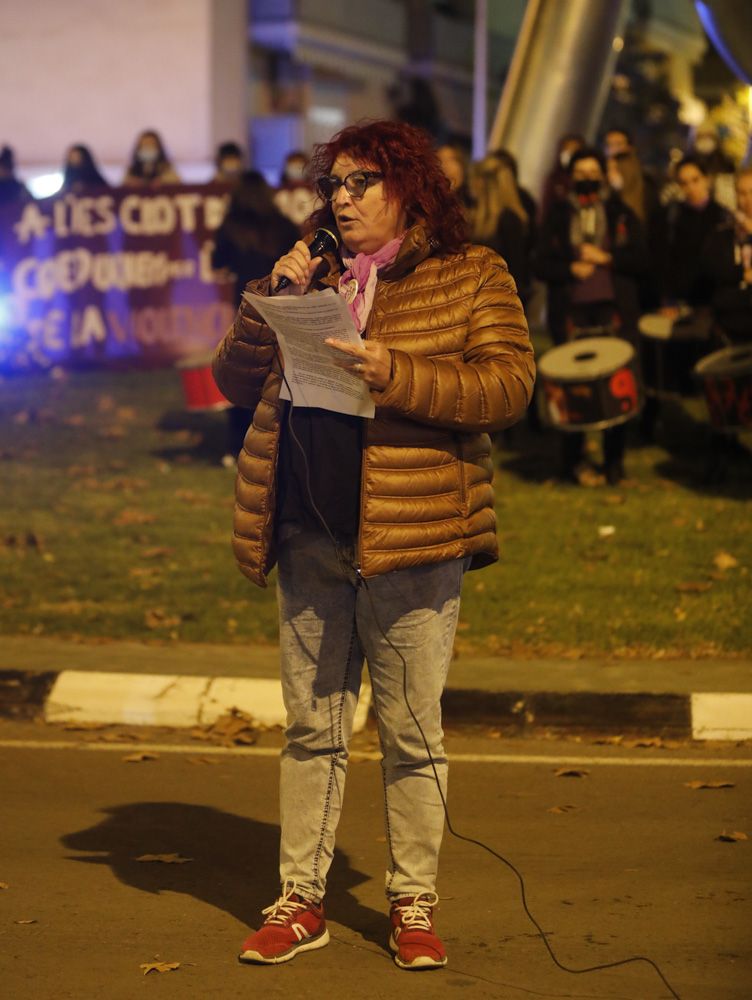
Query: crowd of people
(624, 253)
(619, 250)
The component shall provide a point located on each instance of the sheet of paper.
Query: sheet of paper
(302, 323)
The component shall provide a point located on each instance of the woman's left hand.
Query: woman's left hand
(370, 361)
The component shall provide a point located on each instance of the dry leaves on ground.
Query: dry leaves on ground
(694, 586)
(4, 885)
(724, 560)
(137, 758)
(733, 837)
(131, 515)
(159, 967)
(571, 772)
(558, 810)
(32, 921)
(165, 859)
(697, 785)
(158, 618)
(201, 760)
(233, 727)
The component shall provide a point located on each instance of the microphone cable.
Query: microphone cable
(361, 581)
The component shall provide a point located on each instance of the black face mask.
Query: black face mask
(586, 187)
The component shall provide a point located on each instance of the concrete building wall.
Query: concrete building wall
(99, 71)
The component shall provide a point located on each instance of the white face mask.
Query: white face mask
(706, 144)
(295, 171)
(564, 157)
(148, 155)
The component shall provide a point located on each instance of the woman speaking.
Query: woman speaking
(373, 522)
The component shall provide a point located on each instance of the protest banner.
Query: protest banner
(112, 278)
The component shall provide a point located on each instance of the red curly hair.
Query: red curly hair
(412, 175)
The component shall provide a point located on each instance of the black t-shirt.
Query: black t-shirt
(333, 446)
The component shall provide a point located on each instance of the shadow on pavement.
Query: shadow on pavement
(233, 867)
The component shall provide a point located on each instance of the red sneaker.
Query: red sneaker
(293, 924)
(413, 939)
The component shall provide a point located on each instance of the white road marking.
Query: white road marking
(199, 750)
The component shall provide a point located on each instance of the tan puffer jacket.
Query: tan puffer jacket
(462, 366)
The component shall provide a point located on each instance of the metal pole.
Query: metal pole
(480, 79)
(563, 56)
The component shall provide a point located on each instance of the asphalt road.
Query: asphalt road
(626, 863)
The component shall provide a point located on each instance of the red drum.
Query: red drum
(669, 350)
(726, 378)
(590, 384)
(201, 392)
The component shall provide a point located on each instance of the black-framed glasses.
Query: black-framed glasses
(356, 184)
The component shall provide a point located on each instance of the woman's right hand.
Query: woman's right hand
(299, 267)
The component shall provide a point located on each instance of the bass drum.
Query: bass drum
(726, 378)
(669, 350)
(590, 384)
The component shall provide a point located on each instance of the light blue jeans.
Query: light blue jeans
(330, 622)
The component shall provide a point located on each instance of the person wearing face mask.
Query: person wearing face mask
(557, 184)
(706, 150)
(80, 173)
(373, 522)
(229, 163)
(150, 164)
(591, 253)
(295, 198)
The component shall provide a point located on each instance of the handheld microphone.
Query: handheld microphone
(324, 241)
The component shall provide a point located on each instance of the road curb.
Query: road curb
(183, 701)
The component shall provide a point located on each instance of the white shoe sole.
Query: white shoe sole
(422, 964)
(310, 944)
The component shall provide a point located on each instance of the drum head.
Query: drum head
(731, 362)
(585, 360)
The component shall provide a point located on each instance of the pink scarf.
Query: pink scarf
(357, 286)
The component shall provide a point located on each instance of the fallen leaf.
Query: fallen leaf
(571, 772)
(609, 740)
(130, 515)
(157, 552)
(560, 809)
(697, 784)
(136, 758)
(158, 618)
(606, 530)
(680, 614)
(694, 586)
(724, 560)
(34, 921)
(644, 741)
(4, 885)
(166, 859)
(85, 727)
(233, 727)
(732, 838)
(201, 760)
(159, 967)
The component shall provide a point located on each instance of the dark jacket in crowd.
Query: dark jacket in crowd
(250, 248)
(556, 253)
(731, 296)
(511, 241)
(680, 235)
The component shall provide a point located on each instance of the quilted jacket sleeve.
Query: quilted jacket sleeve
(491, 386)
(245, 356)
